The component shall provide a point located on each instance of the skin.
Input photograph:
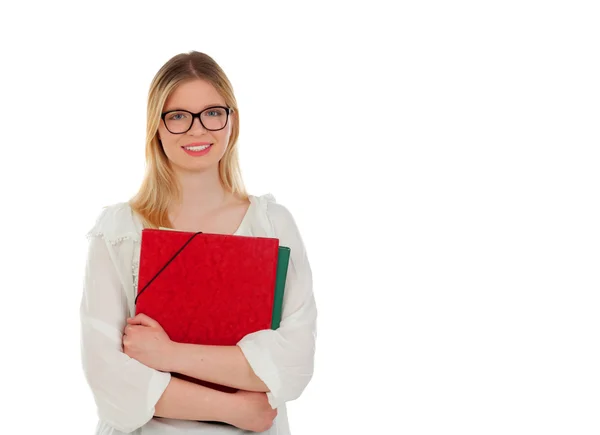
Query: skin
(205, 206)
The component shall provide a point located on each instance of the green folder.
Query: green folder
(282, 268)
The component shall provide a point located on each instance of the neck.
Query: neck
(201, 192)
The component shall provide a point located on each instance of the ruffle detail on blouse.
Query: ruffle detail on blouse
(115, 224)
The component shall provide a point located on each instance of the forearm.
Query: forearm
(224, 365)
(188, 401)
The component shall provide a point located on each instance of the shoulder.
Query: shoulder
(279, 219)
(274, 212)
(115, 223)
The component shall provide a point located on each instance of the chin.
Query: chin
(204, 166)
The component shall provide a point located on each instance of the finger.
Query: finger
(142, 319)
(132, 330)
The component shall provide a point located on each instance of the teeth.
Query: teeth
(199, 148)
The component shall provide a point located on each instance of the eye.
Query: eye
(177, 116)
(214, 112)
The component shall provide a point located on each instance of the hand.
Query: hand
(146, 341)
(253, 411)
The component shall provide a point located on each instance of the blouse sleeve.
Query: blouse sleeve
(125, 390)
(284, 358)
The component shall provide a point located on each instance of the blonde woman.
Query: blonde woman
(192, 183)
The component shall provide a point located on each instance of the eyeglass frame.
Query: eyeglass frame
(228, 110)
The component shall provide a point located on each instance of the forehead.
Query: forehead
(194, 96)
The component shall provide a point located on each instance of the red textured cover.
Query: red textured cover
(217, 290)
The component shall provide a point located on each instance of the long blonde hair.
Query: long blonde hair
(160, 186)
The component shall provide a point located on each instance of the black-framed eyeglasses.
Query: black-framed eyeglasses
(212, 118)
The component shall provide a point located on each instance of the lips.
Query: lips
(197, 149)
(197, 146)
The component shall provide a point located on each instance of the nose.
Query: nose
(196, 124)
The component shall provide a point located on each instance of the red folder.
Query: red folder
(205, 288)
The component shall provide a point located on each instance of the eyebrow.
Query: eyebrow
(187, 110)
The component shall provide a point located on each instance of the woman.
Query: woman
(192, 183)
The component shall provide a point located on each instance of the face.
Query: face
(185, 151)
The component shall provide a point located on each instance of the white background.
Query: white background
(441, 160)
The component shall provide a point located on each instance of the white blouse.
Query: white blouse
(125, 390)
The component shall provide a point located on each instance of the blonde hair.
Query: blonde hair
(160, 186)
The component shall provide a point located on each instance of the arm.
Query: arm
(224, 365)
(284, 359)
(277, 362)
(188, 401)
(128, 393)
(146, 341)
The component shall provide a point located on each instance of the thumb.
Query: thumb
(144, 320)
